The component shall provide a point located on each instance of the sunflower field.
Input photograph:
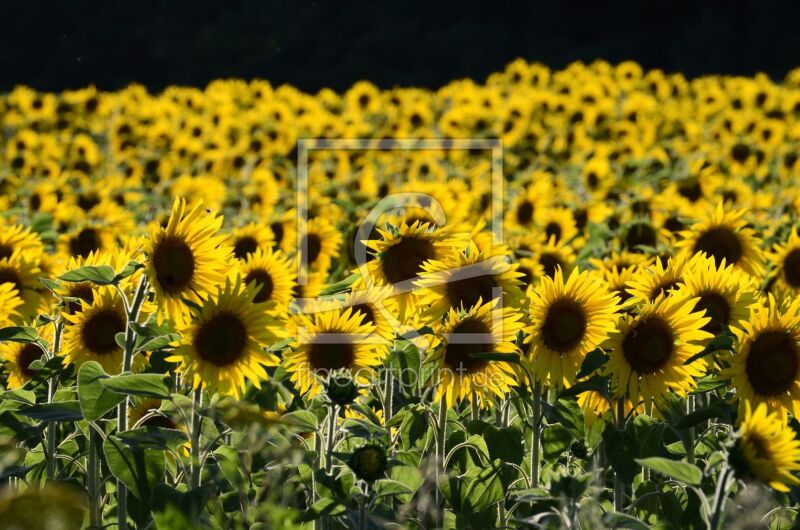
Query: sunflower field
(554, 299)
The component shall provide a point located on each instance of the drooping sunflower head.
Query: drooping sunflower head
(569, 319)
(223, 346)
(766, 449)
(90, 334)
(186, 260)
(649, 350)
(329, 341)
(460, 338)
(468, 278)
(725, 235)
(274, 276)
(766, 366)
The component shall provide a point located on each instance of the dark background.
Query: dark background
(58, 44)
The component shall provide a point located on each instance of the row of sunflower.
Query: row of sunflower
(593, 319)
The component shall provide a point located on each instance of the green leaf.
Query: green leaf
(555, 440)
(138, 468)
(51, 285)
(95, 399)
(386, 487)
(151, 437)
(156, 343)
(596, 382)
(505, 444)
(147, 385)
(720, 342)
(496, 356)
(593, 361)
(19, 334)
(341, 286)
(717, 409)
(304, 420)
(486, 489)
(61, 411)
(621, 452)
(681, 471)
(97, 274)
(621, 520)
(128, 270)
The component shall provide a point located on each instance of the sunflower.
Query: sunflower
(766, 449)
(402, 253)
(766, 366)
(186, 260)
(327, 342)
(17, 238)
(274, 276)
(648, 351)
(85, 239)
(525, 206)
(378, 308)
(462, 334)
(247, 239)
(77, 291)
(90, 334)
(551, 256)
(319, 245)
(10, 302)
(18, 357)
(648, 283)
(21, 274)
(725, 235)
(786, 257)
(557, 224)
(724, 292)
(468, 278)
(222, 347)
(570, 319)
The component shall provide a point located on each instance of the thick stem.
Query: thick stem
(52, 386)
(93, 481)
(719, 498)
(441, 451)
(690, 447)
(535, 436)
(197, 420)
(619, 487)
(122, 409)
(333, 413)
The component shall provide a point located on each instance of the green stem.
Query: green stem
(333, 413)
(52, 386)
(619, 487)
(197, 420)
(536, 434)
(690, 447)
(441, 451)
(122, 409)
(93, 482)
(388, 396)
(719, 498)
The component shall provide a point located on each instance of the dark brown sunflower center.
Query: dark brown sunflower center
(640, 235)
(100, 330)
(159, 420)
(663, 288)
(331, 356)
(461, 348)
(28, 354)
(311, 248)
(221, 340)
(82, 291)
(564, 325)
(263, 280)
(773, 363)
(6, 251)
(173, 261)
(720, 243)
(525, 213)
(592, 180)
(717, 309)
(553, 230)
(277, 233)
(648, 345)
(674, 224)
(550, 262)
(466, 292)
(791, 268)
(85, 242)
(403, 261)
(367, 311)
(244, 246)
(9, 275)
